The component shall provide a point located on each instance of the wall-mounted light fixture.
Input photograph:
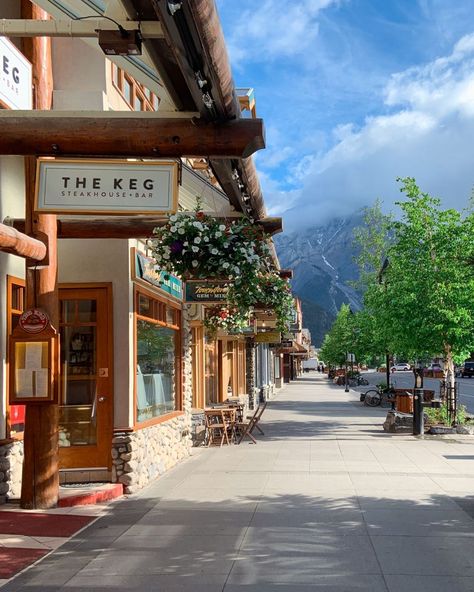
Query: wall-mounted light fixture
(121, 42)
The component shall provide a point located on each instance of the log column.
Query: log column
(250, 367)
(40, 478)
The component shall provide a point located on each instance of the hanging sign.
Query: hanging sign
(15, 77)
(268, 337)
(106, 187)
(147, 270)
(33, 321)
(206, 292)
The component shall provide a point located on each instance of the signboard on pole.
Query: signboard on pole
(117, 187)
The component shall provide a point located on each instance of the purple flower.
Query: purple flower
(176, 247)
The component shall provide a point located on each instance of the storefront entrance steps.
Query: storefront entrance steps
(88, 494)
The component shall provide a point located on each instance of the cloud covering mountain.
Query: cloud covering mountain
(427, 134)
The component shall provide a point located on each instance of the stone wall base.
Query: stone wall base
(11, 464)
(140, 457)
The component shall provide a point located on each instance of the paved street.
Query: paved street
(405, 379)
(325, 501)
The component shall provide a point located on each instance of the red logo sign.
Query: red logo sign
(33, 321)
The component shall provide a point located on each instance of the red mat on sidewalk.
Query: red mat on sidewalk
(14, 560)
(43, 525)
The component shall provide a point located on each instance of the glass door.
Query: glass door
(85, 418)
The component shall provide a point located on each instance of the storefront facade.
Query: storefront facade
(135, 357)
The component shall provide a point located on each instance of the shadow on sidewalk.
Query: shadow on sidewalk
(147, 543)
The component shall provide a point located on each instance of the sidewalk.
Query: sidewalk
(325, 501)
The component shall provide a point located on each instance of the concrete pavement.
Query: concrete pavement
(325, 501)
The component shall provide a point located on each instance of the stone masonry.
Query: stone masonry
(11, 463)
(140, 457)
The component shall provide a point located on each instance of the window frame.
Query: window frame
(138, 91)
(12, 282)
(159, 307)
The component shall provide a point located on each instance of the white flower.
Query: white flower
(173, 218)
(173, 229)
(197, 240)
(181, 231)
(206, 239)
(214, 251)
(236, 269)
(195, 249)
(166, 256)
(218, 234)
(198, 225)
(225, 265)
(186, 244)
(194, 263)
(222, 227)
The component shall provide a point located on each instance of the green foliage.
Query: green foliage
(441, 416)
(225, 318)
(267, 291)
(422, 303)
(198, 245)
(339, 340)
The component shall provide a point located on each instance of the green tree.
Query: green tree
(339, 340)
(429, 283)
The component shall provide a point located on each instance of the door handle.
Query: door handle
(102, 399)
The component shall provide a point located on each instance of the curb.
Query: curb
(105, 494)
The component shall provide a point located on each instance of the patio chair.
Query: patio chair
(245, 428)
(216, 427)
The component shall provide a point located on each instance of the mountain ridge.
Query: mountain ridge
(322, 260)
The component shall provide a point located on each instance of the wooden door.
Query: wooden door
(86, 388)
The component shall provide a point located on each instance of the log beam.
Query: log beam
(50, 133)
(17, 243)
(126, 227)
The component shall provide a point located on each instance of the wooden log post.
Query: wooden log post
(40, 478)
(17, 243)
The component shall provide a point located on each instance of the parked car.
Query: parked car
(467, 370)
(400, 367)
(435, 367)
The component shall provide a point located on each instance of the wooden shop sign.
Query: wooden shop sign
(206, 292)
(268, 337)
(120, 187)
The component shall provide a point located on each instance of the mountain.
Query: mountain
(321, 258)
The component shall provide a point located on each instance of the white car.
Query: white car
(398, 367)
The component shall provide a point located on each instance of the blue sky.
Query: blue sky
(355, 93)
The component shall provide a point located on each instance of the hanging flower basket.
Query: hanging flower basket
(195, 245)
(226, 319)
(265, 291)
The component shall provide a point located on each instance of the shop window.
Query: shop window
(15, 306)
(158, 380)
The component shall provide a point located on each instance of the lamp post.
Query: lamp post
(418, 417)
(346, 382)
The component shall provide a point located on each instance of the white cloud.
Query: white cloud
(267, 32)
(428, 134)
